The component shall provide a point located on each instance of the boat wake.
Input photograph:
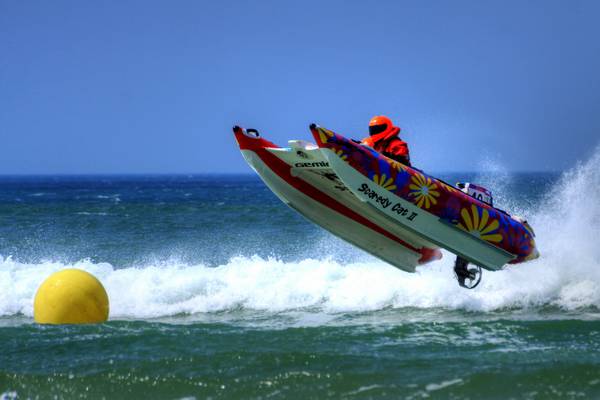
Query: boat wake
(567, 275)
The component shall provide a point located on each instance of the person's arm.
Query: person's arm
(398, 150)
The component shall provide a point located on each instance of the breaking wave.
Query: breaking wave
(567, 275)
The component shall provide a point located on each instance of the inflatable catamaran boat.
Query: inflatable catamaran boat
(395, 212)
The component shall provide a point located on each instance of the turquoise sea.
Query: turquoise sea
(218, 290)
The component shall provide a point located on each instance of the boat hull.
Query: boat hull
(302, 178)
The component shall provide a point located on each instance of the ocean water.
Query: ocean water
(218, 290)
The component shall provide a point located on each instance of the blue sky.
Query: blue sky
(154, 87)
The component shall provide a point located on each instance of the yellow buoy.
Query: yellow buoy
(70, 296)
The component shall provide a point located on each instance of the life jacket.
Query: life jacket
(390, 145)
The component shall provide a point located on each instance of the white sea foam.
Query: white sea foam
(567, 275)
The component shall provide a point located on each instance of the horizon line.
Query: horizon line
(249, 173)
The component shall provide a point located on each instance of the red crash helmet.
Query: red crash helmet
(378, 124)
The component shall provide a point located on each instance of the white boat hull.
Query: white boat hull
(301, 177)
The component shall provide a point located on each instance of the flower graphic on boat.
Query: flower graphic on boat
(526, 246)
(325, 134)
(481, 227)
(397, 165)
(451, 210)
(533, 251)
(451, 189)
(340, 154)
(385, 182)
(424, 190)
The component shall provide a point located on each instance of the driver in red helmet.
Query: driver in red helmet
(384, 138)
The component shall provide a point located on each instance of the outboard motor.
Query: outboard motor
(477, 192)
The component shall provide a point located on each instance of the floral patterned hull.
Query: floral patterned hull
(433, 196)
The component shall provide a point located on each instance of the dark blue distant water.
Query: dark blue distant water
(217, 289)
(136, 220)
